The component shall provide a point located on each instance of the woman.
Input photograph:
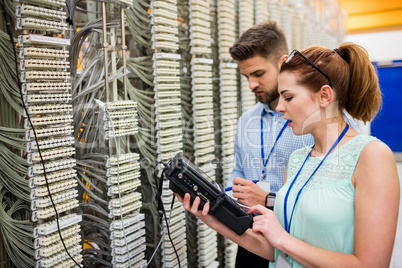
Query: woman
(339, 205)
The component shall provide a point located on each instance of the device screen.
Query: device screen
(199, 171)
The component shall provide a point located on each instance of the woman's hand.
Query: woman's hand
(203, 214)
(268, 225)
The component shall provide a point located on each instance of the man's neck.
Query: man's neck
(273, 104)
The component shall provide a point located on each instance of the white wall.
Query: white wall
(381, 46)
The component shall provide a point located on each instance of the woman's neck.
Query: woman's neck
(325, 134)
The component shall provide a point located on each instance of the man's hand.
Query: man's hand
(248, 193)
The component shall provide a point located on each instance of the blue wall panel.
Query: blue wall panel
(387, 126)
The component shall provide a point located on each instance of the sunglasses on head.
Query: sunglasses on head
(295, 52)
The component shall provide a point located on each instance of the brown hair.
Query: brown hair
(353, 77)
(264, 39)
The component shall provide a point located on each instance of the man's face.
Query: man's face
(262, 76)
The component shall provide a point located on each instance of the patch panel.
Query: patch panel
(165, 45)
(120, 114)
(122, 104)
(50, 143)
(135, 262)
(163, 21)
(51, 166)
(69, 263)
(52, 177)
(121, 123)
(163, 133)
(164, 5)
(122, 2)
(166, 63)
(199, 7)
(41, 191)
(52, 154)
(201, 29)
(122, 168)
(118, 225)
(196, 35)
(133, 175)
(49, 120)
(170, 86)
(40, 203)
(171, 139)
(166, 56)
(39, 24)
(168, 94)
(43, 214)
(44, 64)
(164, 29)
(124, 187)
(133, 228)
(199, 15)
(200, 23)
(133, 236)
(166, 71)
(57, 247)
(168, 124)
(202, 93)
(45, 75)
(201, 80)
(130, 246)
(33, 98)
(166, 79)
(201, 50)
(201, 43)
(35, 11)
(37, 52)
(46, 3)
(167, 147)
(203, 74)
(59, 257)
(42, 40)
(121, 132)
(165, 14)
(124, 200)
(117, 212)
(123, 158)
(50, 108)
(124, 258)
(170, 101)
(51, 227)
(46, 87)
(43, 241)
(167, 116)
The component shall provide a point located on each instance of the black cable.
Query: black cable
(9, 31)
(162, 208)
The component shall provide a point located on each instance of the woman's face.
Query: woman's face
(297, 103)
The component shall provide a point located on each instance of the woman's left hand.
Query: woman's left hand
(267, 225)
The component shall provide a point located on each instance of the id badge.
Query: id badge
(265, 185)
(282, 262)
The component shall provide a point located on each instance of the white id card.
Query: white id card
(282, 262)
(265, 185)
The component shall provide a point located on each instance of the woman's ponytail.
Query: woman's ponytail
(363, 97)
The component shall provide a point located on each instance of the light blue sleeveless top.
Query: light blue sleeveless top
(325, 213)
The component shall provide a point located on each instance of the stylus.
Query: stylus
(230, 188)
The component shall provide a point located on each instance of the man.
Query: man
(263, 141)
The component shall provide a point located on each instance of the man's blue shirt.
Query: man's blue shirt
(247, 147)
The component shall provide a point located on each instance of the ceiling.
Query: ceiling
(372, 15)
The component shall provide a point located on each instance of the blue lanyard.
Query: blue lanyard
(287, 227)
(265, 161)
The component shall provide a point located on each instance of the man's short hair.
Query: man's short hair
(265, 39)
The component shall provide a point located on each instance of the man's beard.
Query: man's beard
(267, 98)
